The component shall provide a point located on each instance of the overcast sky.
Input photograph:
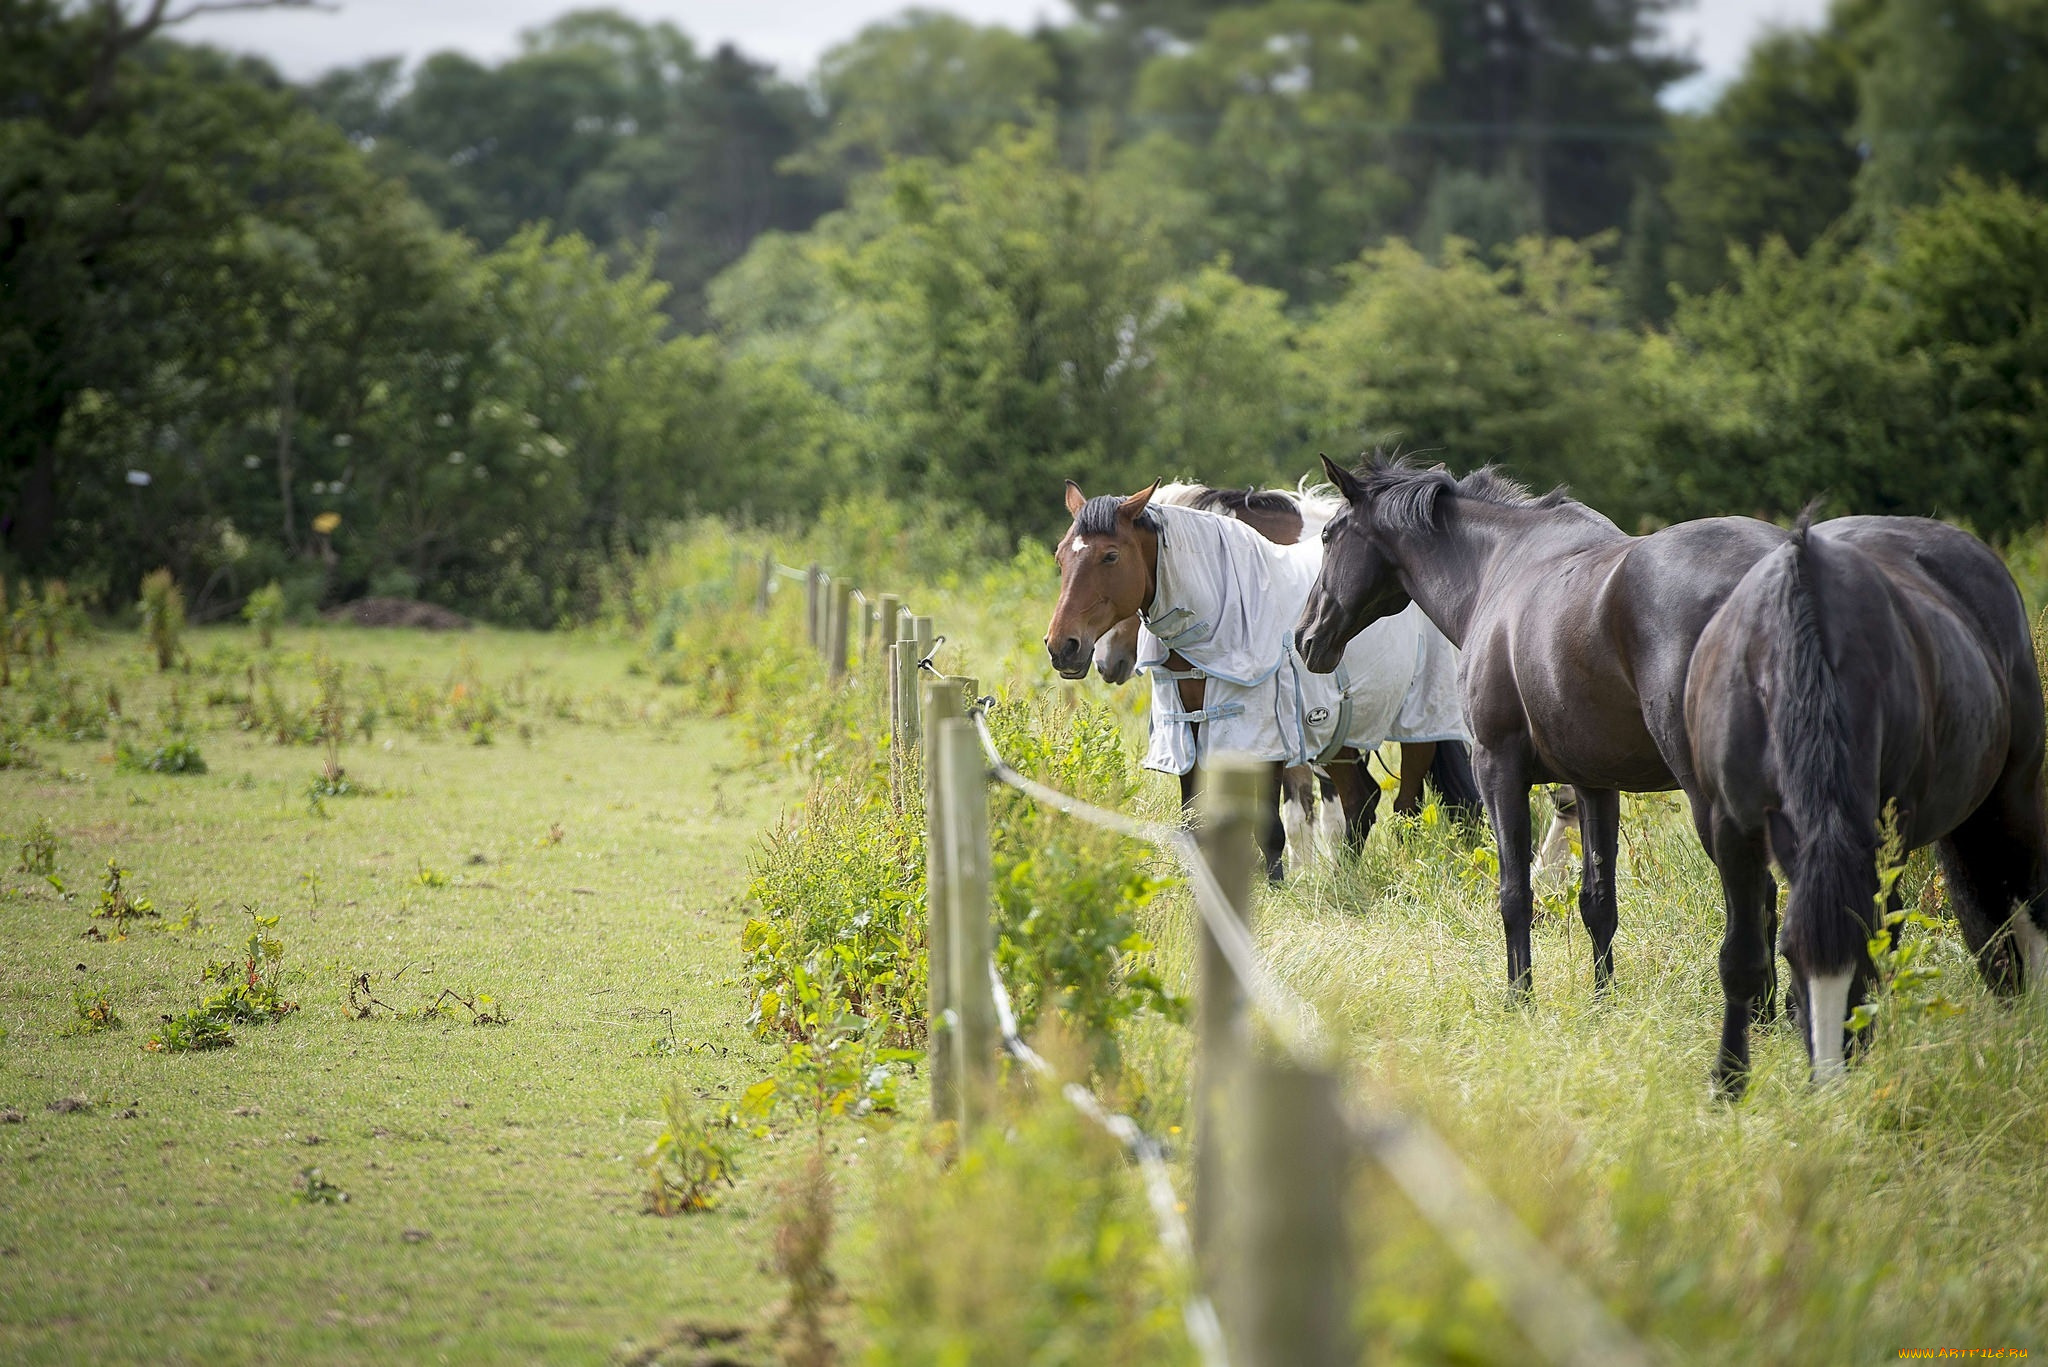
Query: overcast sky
(789, 33)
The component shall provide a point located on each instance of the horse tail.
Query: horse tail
(1450, 770)
(1833, 868)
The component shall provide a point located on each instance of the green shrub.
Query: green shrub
(39, 846)
(163, 615)
(1035, 1247)
(1069, 896)
(838, 900)
(190, 1032)
(175, 756)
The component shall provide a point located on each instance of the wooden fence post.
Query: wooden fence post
(1287, 1299)
(942, 702)
(921, 630)
(814, 605)
(767, 584)
(963, 786)
(885, 625)
(835, 644)
(1228, 807)
(907, 656)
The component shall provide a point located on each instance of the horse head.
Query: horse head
(1108, 561)
(1359, 582)
(1116, 652)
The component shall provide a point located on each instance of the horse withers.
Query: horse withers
(1868, 663)
(1576, 640)
(1220, 596)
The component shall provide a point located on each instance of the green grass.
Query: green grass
(494, 1209)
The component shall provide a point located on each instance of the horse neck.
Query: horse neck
(1448, 569)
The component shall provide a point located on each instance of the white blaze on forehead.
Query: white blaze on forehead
(1828, 995)
(1080, 546)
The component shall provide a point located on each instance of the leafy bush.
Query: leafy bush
(163, 615)
(1069, 897)
(117, 904)
(838, 902)
(94, 1008)
(265, 612)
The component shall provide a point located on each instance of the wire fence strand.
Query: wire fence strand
(1205, 1329)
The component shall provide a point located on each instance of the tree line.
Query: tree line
(470, 331)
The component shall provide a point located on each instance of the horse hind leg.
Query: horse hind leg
(1272, 828)
(1599, 812)
(1416, 757)
(1995, 864)
(1748, 956)
(1450, 769)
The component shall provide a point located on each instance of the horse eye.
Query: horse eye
(1109, 559)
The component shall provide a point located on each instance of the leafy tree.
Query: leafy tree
(619, 130)
(1279, 118)
(1520, 364)
(1559, 96)
(924, 84)
(1951, 85)
(1775, 155)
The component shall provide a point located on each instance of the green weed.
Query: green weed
(190, 1032)
(93, 1008)
(117, 904)
(39, 846)
(688, 1161)
(174, 756)
(163, 615)
(313, 1189)
(264, 611)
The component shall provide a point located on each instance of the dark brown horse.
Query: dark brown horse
(1109, 568)
(1867, 662)
(1576, 639)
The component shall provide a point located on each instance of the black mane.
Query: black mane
(1404, 498)
(1098, 516)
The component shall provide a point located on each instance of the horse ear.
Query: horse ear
(1781, 839)
(1075, 499)
(1346, 482)
(1135, 504)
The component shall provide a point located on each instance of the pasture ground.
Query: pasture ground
(494, 1208)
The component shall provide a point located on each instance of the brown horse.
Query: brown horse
(1284, 517)
(1109, 565)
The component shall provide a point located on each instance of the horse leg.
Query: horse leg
(1416, 757)
(1272, 828)
(1599, 836)
(1766, 1012)
(1357, 793)
(1297, 813)
(1557, 841)
(1995, 864)
(1329, 816)
(1747, 953)
(1504, 783)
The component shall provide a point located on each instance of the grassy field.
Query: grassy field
(586, 874)
(494, 1204)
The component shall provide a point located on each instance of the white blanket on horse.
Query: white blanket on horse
(1227, 600)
